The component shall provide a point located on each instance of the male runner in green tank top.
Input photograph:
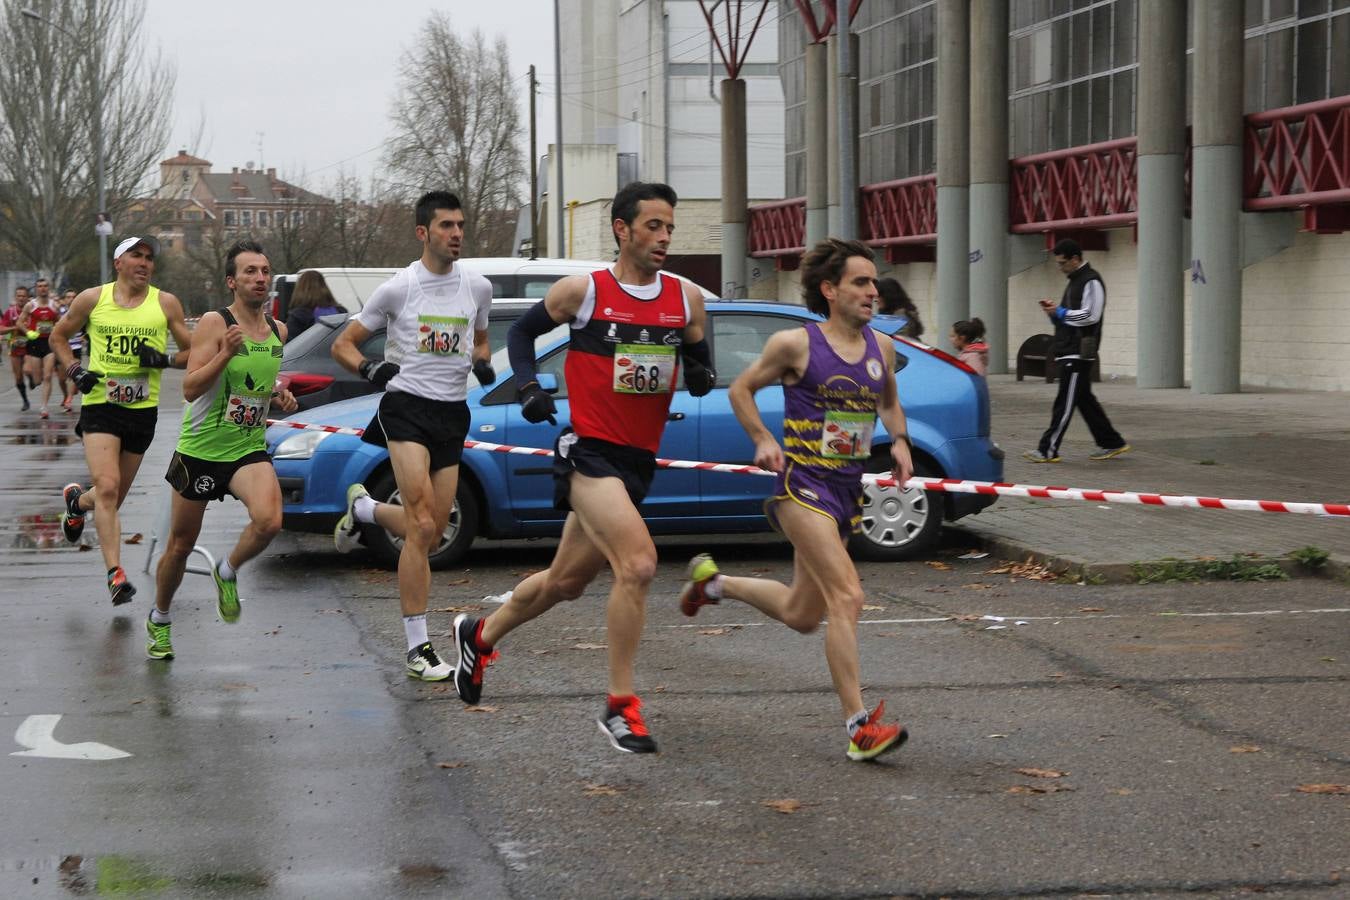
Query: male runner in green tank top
(230, 385)
(128, 323)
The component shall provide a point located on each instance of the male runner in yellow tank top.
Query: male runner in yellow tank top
(128, 323)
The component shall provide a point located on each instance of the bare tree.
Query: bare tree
(456, 125)
(57, 73)
(372, 225)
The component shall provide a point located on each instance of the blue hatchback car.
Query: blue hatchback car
(511, 496)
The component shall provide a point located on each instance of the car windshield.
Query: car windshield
(501, 363)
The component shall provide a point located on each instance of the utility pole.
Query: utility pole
(848, 127)
(534, 172)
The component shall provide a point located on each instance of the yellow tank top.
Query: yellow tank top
(116, 335)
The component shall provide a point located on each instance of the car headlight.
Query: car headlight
(301, 445)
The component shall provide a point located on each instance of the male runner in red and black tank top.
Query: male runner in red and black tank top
(633, 329)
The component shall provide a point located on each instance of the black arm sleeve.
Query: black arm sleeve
(520, 342)
(698, 352)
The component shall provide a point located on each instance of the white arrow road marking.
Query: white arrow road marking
(36, 734)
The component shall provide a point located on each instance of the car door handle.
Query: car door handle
(675, 417)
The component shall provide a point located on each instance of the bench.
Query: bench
(1033, 358)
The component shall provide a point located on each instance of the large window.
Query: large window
(1072, 73)
(1296, 52)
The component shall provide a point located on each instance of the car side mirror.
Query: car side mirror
(548, 381)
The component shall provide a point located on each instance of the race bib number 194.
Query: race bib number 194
(442, 335)
(124, 390)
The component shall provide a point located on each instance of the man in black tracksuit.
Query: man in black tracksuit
(1078, 330)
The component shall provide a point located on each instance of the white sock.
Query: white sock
(415, 627)
(159, 618)
(225, 569)
(364, 509)
(856, 721)
(714, 587)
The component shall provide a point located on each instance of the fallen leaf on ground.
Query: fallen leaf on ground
(1245, 748)
(460, 581)
(935, 564)
(977, 586)
(590, 647)
(480, 708)
(1030, 570)
(713, 631)
(85, 547)
(1092, 609)
(787, 806)
(1120, 792)
(872, 607)
(602, 790)
(134, 539)
(973, 554)
(1323, 788)
(1032, 772)
(967, 617)
(1037, 789)
(451, 765)
(472, 607)
(995, 735)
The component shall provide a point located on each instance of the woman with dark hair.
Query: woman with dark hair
(310, 300)
(895, 302)
(968, 338)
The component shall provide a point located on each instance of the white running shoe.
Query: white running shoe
(347, 534)
(426, 664)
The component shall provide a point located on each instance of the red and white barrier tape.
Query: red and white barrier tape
(950, 485)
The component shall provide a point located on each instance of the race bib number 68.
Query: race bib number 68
(644, 369)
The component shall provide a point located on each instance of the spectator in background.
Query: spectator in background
(310, 300)
(895, 302)
(968, 338)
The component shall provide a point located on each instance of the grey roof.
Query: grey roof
(259, 189)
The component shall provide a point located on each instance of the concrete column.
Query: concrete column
(734, 279)
(989, 177)
(1161, 159)
(953, 163)
(1216, 200)
(832, 134)
(848, 125)
(817, 152)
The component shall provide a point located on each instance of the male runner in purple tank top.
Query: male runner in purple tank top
(837, 378)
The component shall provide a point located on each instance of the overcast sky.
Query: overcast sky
(317, 79)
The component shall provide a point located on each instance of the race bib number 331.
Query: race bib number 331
(644, 369)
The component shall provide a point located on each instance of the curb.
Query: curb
(1124, 572)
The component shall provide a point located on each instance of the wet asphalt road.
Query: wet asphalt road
(287, 756)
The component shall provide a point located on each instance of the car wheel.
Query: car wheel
(897, 524)
(455, 540)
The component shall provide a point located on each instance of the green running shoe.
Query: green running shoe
(227, 597)
(159, 646)
(694, 594)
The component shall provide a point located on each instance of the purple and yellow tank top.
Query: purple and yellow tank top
(830, 414)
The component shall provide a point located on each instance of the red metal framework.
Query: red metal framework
(820, 29)
(900, 212)
(736, 49)
(1298, 156)
(777, 229)
(1094, 186)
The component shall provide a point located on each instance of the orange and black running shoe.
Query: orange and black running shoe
(72, 521)
(623, 725)
(121, 590)
(874, 738)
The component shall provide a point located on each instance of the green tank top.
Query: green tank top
(116, 334)
(229, 421)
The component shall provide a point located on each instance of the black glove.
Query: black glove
(377, 372)
(536, 404)
(698, 378)
(84, 379)
(483, 371)
(152, 358)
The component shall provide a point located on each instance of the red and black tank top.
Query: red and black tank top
(623, 363)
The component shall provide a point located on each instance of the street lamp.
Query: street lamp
(98, 133)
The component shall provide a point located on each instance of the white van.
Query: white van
(512, 278)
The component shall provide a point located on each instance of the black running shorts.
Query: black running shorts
(595, 458)
(438, 425)
(134, 427)
(207, 479)
(39, 348)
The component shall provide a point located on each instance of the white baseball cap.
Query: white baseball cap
(132, 242)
